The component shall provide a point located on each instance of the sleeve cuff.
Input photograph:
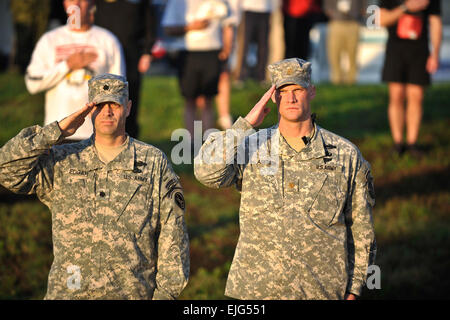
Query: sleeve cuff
(241, 124)
(355, 287)
(161, 295)
(52, 134)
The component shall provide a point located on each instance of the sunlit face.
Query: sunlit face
(85, 9)
(293, 102)
(108, 118)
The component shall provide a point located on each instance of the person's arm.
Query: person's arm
(172, 238)
(390, 17)
(26, 161)
(361, 244)
(179, 30)
(43, 74)
(150, 24)
(149, 36)
(436, 39)
(217, 164)
(227, 40)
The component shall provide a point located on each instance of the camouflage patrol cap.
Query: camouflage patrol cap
(108, 88)
(290, 71)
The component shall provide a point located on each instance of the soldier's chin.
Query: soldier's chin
(106, 130)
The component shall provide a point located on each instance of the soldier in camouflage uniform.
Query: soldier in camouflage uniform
(306, 229)
(118, 226)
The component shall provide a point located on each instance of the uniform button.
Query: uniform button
(102, 194)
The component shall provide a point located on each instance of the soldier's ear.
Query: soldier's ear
(129, 105)
(312, 92)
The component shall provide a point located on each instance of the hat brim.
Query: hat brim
(291, 81)
(109, 98)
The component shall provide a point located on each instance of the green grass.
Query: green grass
(412, 213)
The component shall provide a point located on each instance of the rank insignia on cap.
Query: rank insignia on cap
(290, 71)
(108, 88)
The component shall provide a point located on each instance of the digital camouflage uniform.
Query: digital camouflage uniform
(306, 229)
(118, 229)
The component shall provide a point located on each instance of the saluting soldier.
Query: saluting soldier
(117, 206)
(306, 228)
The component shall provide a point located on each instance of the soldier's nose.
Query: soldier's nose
(291, 97)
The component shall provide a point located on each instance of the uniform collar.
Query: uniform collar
(314, 148)
(124, 161)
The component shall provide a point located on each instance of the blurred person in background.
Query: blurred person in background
(65, 58)
(408, 64)
(256, 30)
(299, 18)
(276, 35)
(134, 24)
(225, 119)
(6, 36)
(199, 30)
(343, 37)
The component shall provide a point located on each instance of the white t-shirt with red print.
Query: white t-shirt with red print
(67, 91)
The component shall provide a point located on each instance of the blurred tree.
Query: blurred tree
(30, 22)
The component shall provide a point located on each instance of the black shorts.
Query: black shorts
(198, 73)
(406, 64)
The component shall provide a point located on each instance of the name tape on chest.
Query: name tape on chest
(78, 172)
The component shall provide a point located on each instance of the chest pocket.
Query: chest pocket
(261, 201)
(131, 203)
(325, 199)
(75, 197)
(261, 188)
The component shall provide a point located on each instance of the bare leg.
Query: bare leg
(189, 115)
(414, 94)
(396, 112)
(207, 114)
(223, 101)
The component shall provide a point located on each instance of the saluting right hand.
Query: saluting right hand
(256, 116)
(70, 124)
